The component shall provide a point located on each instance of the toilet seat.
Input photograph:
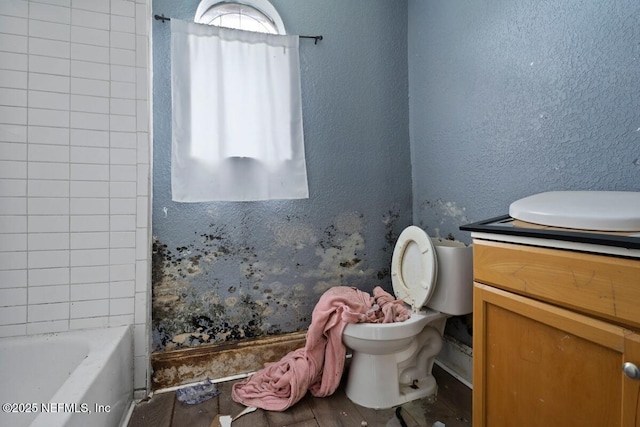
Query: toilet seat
(414, 267)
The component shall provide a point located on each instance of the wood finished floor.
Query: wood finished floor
(452, 407)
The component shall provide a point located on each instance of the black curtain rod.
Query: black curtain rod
(164, 18)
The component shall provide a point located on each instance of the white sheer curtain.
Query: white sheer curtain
(237, 115)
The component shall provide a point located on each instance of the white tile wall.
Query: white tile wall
(74, 168)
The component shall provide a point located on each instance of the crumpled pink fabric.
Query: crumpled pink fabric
(393, 310)
(319, 365)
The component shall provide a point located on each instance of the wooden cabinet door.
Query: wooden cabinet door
(535, 364)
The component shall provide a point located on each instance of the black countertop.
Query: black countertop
(508, 226)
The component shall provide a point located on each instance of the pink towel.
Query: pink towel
(318, 366)
(393, 310)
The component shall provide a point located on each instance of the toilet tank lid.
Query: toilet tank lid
(583, 210)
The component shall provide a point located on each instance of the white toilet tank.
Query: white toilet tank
(453, 293)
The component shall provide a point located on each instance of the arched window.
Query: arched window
(250, 15)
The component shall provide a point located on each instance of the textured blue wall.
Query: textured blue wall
(514, 97)
(507, 99)
(228, 271)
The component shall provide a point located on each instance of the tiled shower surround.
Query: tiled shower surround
(74, 168)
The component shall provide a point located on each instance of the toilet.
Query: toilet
(391, 362)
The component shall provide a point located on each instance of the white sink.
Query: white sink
(584, 210)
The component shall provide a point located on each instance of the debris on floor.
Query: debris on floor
(226, 420)
(198, 393)
(221, 421)
(246, 410)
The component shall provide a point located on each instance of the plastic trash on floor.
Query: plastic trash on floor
(198, 393)
(226, 420)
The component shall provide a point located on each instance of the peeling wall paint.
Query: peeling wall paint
(225, 272)
(441, 214)
(213, 290)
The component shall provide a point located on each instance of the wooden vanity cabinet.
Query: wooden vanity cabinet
(552, 329)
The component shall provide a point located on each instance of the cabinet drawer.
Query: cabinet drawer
(606, 286)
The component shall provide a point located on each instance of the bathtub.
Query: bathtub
(76, 378)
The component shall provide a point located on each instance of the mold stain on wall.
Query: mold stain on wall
(218, 287)
(190, 305)
(447, 214)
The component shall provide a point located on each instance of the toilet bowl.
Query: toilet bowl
(392, 362)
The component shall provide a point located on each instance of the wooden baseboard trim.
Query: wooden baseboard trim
(214, 361)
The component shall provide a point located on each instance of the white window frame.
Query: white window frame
(262, 6)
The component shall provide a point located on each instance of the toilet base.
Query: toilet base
(380, 389)
(381, 381)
